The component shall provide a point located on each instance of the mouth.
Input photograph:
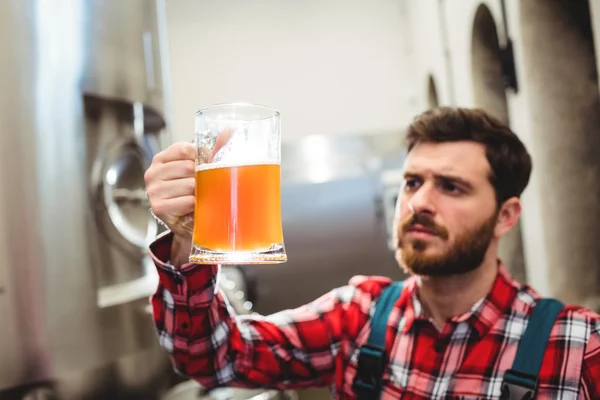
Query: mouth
(420, 231)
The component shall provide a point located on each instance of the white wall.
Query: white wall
(329, 66)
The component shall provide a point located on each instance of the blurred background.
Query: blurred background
(92, 89)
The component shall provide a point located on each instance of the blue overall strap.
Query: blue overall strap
(521, 381)
(372, 357)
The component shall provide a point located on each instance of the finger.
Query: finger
(170, 210)
(172, 189)
(176, 152)
(174, 170)
(222, 139)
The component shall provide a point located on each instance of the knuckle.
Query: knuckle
(183, 151)
(152, 192)
(158, 157)
(176, 149)
(187, 151)
(149, 175)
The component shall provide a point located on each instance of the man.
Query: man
(453, 331)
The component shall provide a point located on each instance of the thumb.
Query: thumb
(222, 139)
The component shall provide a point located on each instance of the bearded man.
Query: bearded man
(454, 329)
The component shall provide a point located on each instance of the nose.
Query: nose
(422, 201)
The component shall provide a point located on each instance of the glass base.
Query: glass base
(272, 255)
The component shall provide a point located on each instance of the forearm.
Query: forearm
(185, 301)
(189, 325)
(209, 343)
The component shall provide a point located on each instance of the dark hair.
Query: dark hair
(508, 158)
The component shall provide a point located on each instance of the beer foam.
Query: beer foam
(205, 167)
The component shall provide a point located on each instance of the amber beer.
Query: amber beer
(238, 207)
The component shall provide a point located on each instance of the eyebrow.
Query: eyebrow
(444, 177)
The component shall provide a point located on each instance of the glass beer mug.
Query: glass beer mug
(237, 217)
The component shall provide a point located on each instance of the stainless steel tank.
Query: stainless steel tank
(82, 114)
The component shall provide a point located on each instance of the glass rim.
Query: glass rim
(274, 112)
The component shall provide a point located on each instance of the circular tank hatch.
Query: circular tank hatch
(121, 193)
(486, 67)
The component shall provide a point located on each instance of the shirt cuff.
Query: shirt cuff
(195, 276)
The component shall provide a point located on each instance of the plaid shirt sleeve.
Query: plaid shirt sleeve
(290, 349)
(590, 372)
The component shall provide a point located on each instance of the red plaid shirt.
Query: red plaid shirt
(317, 344)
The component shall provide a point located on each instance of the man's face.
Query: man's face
(446, 215)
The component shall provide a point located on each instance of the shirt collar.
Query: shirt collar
(482, 315)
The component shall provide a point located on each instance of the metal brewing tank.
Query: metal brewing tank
(82, 114)
(338, 197)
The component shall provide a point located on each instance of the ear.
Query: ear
(508, 216)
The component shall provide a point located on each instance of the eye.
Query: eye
(411, 184)
(449, 187)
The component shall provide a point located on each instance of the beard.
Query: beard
(466, 253)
